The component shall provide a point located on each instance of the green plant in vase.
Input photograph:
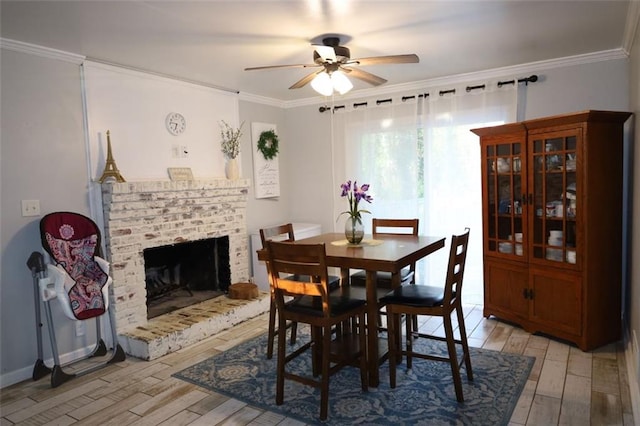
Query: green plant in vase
(230, 147)
(354, 228)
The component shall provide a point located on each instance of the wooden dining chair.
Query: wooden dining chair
(284, 232)
(414, 300)
(383, 279)
(312, 302)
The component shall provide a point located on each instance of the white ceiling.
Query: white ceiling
(213, 41)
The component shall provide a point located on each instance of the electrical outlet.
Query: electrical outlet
(30, 208)
(175, 151)
(80, 328)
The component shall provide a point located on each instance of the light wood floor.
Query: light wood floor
(566, 386)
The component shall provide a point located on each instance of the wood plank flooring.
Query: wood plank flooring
(565, 387)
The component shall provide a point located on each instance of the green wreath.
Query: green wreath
(268, 144)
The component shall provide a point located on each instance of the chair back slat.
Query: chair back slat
(285, 259)
(395, 226)
(455, 270)
(279, 233)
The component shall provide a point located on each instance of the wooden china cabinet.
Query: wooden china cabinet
(552, 225)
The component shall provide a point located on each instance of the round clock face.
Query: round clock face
(176, 124)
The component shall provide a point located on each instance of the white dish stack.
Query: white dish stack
(507, 247)
(518, 236)
(555, 239)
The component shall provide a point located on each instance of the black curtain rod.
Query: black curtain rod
(470, 88)
(422, 95)
(531, 79)
(526, 80)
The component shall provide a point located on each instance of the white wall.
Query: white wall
(133, 107)
(312, 188)
(599, 85)
(42, 157)
(266, 211)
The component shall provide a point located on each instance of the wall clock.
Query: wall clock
(176, 124)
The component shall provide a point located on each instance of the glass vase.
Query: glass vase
(354, 230)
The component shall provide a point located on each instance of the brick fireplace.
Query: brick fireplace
(142, 215)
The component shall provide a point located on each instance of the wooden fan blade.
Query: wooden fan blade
(281, 66)
(327, 53)
(304, 80)
(364, 76)
(393, 59)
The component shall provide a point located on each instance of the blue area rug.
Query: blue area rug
(423, 396)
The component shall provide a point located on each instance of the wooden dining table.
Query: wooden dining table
(385, 253)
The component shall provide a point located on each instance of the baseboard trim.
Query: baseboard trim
(632, 378)
(26, 373)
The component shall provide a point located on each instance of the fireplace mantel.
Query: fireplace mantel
(145, 214)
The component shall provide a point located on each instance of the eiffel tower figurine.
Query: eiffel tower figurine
(110, 169)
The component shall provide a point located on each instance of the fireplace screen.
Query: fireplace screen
(182, 274)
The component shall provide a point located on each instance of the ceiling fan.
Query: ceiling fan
(335, 63)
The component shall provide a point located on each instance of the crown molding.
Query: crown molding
(125, 69)
(45, 52)
(520, 70)
(633, 19)
(262, 100)
(631, 26)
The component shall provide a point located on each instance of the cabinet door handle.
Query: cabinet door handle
(523, 199)
(527, 293)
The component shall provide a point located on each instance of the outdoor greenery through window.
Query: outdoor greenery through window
(378, 156)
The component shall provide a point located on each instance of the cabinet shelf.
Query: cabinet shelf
(557, 219)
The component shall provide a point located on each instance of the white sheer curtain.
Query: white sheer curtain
(421, 160)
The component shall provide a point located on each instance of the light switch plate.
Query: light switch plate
(30, 208)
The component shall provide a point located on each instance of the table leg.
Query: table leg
(395, 283)
(344, 277)
(372, 329)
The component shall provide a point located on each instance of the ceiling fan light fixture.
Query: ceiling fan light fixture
(325, 83)
(322, 84)
(341, 83)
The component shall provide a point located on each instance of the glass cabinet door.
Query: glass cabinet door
(505, 187)
(555, 195)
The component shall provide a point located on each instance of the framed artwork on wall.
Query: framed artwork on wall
(266, 171)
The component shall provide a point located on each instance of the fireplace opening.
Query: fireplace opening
(180, 275)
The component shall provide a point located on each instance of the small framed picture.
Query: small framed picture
(180, 173)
